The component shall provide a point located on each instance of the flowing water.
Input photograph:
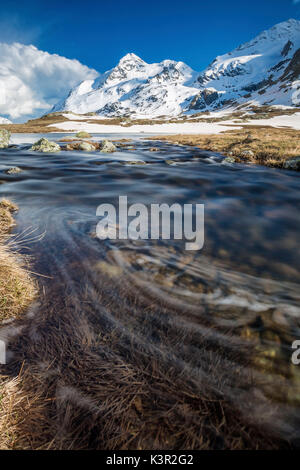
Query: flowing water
(240, 291)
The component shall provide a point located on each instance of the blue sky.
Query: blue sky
(99, 33)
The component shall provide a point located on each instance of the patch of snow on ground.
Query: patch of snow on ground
(168, 128)
(292, 121)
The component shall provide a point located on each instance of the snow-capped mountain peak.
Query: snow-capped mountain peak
(136, 88)
(130, 58)
(262, 71)
(284, 31)
(129, 66)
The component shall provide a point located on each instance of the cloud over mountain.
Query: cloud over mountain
(31, 81)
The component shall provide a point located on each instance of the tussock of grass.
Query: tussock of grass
(16, 287)
(268, 146)
(19, 410)
(17, 291)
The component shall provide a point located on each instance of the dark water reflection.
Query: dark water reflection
(243, 287)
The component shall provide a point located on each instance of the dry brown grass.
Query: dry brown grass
(41, 125)
(36, 126)
(271, 146)
(104, 366)
(85, 385)
(16, 287)
(19, 410)
(17, 290)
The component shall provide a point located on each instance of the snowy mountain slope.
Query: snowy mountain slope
(134, 87)
(4, 121)
(265, 70)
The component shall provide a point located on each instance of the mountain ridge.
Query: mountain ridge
(262, 71)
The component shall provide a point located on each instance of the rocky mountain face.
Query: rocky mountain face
(264, 71)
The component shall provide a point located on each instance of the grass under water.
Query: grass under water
(142, 345)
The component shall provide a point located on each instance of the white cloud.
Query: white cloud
(32, 81)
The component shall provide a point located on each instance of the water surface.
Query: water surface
(240, 291)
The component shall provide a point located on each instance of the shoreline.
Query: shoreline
(266, 146)
(264, 136)
(271, 147)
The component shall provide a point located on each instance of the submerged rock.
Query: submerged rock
(109, 269)
(86, 147)
(14, 170)
(44, 145)
(107, 146)
(83, 135)
(228, 160)
(292, 164)
(4, 138)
